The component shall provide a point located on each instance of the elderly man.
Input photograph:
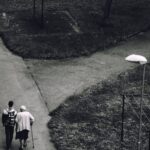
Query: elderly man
(24, 120)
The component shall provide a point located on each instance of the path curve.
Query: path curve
(58, 80)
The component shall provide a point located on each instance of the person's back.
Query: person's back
(8, 121)
(24, 119)
(8, 117)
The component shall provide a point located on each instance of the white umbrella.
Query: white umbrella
(136, 58)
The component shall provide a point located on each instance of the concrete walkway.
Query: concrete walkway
(17, 84)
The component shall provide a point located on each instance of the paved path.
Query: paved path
(58, 80)
(16, 84)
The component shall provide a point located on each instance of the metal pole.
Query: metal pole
(122, 123)
(33, 8)
(42, 14)
(149, 138)
(141, 108)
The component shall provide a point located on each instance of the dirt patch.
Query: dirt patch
(92, 120)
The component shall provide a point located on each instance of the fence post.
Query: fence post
(34, 9)
(149, 139)
(42, 14)
(122, 123)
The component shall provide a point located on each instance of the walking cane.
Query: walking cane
(32, 137)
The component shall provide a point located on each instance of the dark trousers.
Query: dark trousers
(9, 131)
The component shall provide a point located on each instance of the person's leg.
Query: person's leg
(11, 135)
(7, 132)
(21, 145)
(25, 136)
(25, 143)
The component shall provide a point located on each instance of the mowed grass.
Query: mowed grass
(71, 28)
(92, 119)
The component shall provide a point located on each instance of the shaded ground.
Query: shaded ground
(75, 25)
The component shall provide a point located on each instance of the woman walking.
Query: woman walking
(24, 121)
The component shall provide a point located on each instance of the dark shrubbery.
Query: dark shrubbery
(60, 37)
(92, 120)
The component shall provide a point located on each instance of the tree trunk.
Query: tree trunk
(107, 9)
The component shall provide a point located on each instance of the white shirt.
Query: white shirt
(23, 120)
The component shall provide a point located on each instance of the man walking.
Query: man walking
(8, 120)
(24, 122)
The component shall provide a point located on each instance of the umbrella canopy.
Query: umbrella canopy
(136, 58)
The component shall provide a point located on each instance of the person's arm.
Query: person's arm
(15, 116)
(4, 117)
(16, 121)
(16, 127)
(31, 119)
(15, 113)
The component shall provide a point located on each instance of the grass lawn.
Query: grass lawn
(92, 120)
(71, 28)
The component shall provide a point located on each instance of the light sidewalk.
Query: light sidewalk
(16, 84)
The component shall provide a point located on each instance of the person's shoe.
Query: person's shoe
(25, 145)
(8, 148)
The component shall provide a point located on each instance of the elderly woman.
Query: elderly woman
(24, 120)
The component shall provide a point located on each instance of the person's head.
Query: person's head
(10, 103)
(23, 108)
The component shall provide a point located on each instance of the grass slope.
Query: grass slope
(71, 28)
(92, 120)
